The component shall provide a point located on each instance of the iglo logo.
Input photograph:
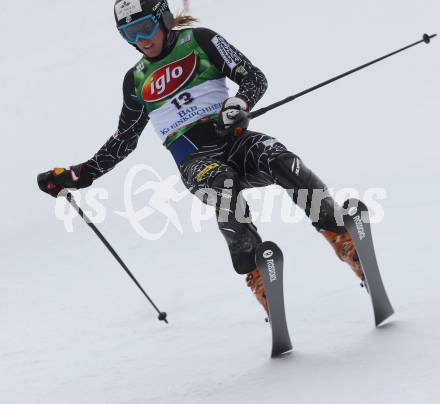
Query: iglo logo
(169, 78)
(268, 254)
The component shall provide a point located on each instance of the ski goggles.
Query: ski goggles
(143, 28)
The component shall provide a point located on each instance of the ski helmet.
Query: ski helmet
(128, 11)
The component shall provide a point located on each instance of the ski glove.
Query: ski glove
(234, 116)
(53, 181)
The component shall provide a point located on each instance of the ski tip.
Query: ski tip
(267, 249)
(353, 205)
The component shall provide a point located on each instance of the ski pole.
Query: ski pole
(162, 315)
(426, 39)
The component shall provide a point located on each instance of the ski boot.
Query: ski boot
(343, 245)
(255, 282)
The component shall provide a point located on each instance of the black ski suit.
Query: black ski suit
(223, 164)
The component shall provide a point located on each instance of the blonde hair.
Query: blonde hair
(183, 20)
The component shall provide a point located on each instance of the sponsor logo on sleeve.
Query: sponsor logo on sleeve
(242, 71)
(185, 39)
(127, 8)
(229, 55)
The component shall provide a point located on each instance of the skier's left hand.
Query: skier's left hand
(54, 181)
(234, 116)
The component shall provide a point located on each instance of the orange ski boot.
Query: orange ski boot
(343, 245)
(254, 281)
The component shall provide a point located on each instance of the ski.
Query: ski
(357, 222)
(269, 260)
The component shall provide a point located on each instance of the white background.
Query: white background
(74, 329)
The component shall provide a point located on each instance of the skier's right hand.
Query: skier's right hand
(54, 181)
(234, 116)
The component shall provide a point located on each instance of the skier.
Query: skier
(180, 85)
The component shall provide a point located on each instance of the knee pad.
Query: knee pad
(242, 245)
(291, 173)
(242, 238)
(308, 191)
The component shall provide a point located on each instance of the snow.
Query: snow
(74, 328)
